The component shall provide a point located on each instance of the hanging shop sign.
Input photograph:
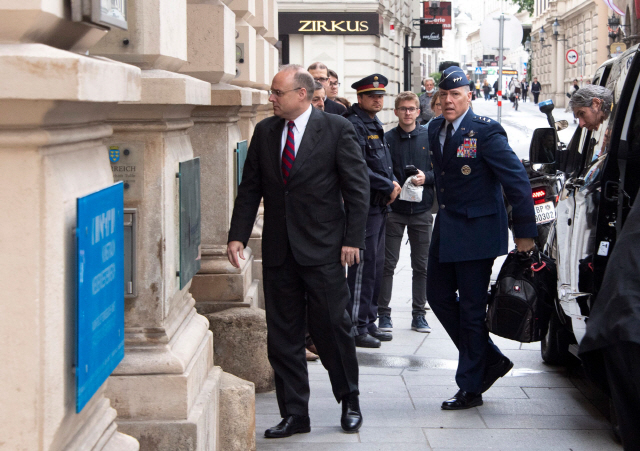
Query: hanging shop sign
(430, 36)
(312, 23)
(437, 13)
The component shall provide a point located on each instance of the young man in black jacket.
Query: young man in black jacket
(409, 145)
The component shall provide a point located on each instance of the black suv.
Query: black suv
(601, 170)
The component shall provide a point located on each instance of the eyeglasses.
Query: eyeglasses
(403, 109)
(279, 93)
(334, 84)
(321, 79)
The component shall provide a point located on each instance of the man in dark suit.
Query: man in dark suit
(308, 168)
(472, 161)
(320, 73)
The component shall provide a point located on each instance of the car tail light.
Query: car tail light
(538, 195)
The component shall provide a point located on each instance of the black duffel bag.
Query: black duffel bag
(522, 299)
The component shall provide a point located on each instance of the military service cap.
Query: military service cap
(373, 84)
(453, 77)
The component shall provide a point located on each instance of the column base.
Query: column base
(198, 432)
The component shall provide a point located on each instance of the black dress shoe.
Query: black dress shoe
(494, 372)
(367, 341)
(462, 400)
(351, 419)
(380, 335)
(293, 424)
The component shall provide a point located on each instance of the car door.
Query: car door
(577, 217)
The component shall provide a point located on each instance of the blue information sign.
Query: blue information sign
(100, 309)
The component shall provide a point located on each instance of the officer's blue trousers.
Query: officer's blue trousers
(364, 279)
(463, 316)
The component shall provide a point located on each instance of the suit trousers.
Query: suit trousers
(419, 230)
(463, 316)
(622, 362)
(365, 277)
(323, 310)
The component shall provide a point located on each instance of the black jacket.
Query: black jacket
(325, 203)
(536, 87)
(333, 107)
(375, 150)
(411, 148)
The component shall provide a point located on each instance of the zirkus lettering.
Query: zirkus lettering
(353, 26)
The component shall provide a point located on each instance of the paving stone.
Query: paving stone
(333, 435)
(520, 439)
(584, 422)
(443, 392)
(344, 447)
(392, 435)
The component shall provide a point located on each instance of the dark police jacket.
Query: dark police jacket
(472, 217)
(376, 153)
(333, 107)
(411, 148)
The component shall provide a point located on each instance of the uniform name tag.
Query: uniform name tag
(468, 148)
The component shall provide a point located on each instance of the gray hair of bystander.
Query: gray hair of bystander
(584, 96)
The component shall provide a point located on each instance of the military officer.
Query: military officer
(364, 278)
(472, 160)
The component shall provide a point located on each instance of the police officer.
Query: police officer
(472, 160)
(364, 278)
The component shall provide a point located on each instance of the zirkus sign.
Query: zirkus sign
(329, 23)
(430, 36)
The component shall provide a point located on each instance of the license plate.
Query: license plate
(545, 212)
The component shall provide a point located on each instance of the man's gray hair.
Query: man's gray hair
(318, 86)
(583, 97)
(301, 78)
(429, 79)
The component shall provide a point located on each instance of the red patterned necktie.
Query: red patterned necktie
(288, 153)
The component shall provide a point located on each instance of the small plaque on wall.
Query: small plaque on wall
(105, 13)
(189, 176)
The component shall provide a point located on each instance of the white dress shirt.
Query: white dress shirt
(298, 130)
(443, 130)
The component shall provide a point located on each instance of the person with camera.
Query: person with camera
(364, 278)
(409, 147)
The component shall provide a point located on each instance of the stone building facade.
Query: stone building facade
(582, 27)
(185, 79)
(352, 54)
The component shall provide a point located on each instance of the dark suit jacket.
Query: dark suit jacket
(472, 216)
(309, 213)
(333, 107)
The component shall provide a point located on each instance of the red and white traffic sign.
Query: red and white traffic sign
(572, 56)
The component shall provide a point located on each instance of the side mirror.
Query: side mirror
(543, 146)
(561, 125)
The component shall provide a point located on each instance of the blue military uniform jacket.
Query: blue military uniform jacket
(469, 174)
(376, 153)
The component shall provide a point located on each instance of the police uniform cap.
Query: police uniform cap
(373, 84)
(453, 77)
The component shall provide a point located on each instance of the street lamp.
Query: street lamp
(614, 23)
(543, 35)
(555, 27)
(527, 44)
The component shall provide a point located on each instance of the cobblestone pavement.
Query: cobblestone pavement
(403, 383)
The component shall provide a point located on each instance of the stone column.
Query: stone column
(53, 106)
(165, 389)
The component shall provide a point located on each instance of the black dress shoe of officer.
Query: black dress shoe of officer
(293, 424)
(351, 419)
(495, 372)
(462, 400)
(367, 341)
(380, 335)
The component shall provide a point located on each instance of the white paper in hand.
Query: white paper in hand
(411, 192)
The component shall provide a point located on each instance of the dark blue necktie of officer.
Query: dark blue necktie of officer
(447, 136)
